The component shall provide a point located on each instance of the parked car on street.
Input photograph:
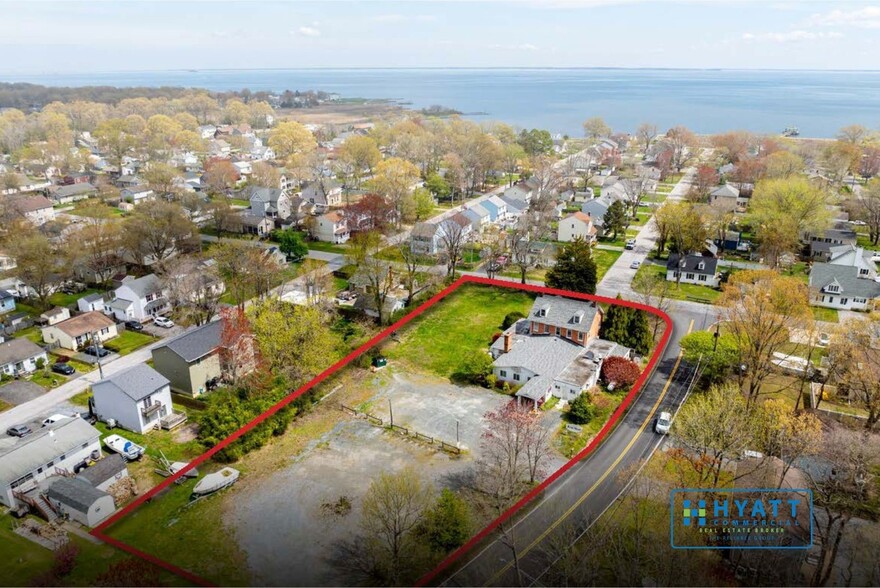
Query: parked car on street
(54, 419)
(134, 326)
(164, 322)
(630, 244)
(635, 265)
(63, 368)
(18, 431)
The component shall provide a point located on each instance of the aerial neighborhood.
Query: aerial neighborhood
(173, 265)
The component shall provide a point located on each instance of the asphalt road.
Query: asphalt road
(588, 488)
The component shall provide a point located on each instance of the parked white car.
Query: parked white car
(663, 423)
(164, 322)
(635, 265)
(54, 419)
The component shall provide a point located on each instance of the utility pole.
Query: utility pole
(457, 443)
(391, 411)
(97, 355)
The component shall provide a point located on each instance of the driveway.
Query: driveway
(20, 391)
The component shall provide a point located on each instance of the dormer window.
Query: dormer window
(543, 311)
(701, 266)
(832, 288)
(863, 272)
(578, 317)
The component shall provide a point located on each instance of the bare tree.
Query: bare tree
(646, 134)
(453, 238)
(529, 233)
(194, 289)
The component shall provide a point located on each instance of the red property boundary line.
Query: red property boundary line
(100, 531)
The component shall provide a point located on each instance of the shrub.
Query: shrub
(510, 318)
(41, 363)
(447, 524)
(620, 372)
(477, 367)
(581, 410)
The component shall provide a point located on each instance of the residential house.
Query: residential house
(72, 192)
(129, 181)
(137, 398)
(251, 224)
(37, 209)
(426, 238)
(137, 299)
(244, 168)
(522, 191)
(577, 225)
(7, 302)
(728, 197)
(192, 359)
(515, 207)
(478, 217)
(693, 269)
(136, 194)
(20, 356)
(269, 202)
(323, 193)
(554, 351)
(848, 281)
(55, 315)
(7, 262)
(500, 205)
(332, 227)
(24, 185)
(91, 302)
(596, 209)
(80, 331)
(25, 462)
(822, 245)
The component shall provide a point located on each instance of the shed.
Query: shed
(81, 501)
(105, 472)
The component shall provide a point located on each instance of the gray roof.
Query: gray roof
(725, 191)
(136, 382)
(94, 297)
(73, 190)
(514, 204)
(18, 350)
(197, 342)
(585, 367)
(596, 208)
(692, 264)
(846, 277)
(75, 493)
(142, 286)
(424, 230)
(20, 456)
(543, 355)
(103, 469)
(119, 303)
(563, 312)
(265, 194)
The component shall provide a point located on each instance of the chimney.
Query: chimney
(507, 342)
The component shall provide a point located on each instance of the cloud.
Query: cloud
(309, 31)
(791, 36)
(863, 18)
(396, 18)
(521, 47)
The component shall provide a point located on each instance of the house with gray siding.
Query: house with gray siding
(191, 359)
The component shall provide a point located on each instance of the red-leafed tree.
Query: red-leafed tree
(705, 178)
(238, 352)
(369, 213)
(130, 572)
(220, 174)
(620, 371)
(747, 171)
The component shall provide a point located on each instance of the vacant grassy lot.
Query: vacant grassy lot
(62, 299)
(441, 339)
(604, 260)
(683, 291)
(128, 341)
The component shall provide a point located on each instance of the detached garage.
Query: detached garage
(81, 501)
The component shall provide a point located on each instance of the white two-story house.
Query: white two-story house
(138, 299)
(137, 398)
(332, 228)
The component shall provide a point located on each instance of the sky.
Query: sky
(39, 37)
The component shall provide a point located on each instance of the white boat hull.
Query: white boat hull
(216, 481)
(127, 449)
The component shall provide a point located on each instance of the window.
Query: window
(580, 336)
(63, 457)
(844, 300)
(702, 277)
(85, 445)
(557, 330)
(832, 288)
(689, 276)
(568, 333)
(516, 377)
(502, 373)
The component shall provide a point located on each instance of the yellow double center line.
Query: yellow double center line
(604, 475)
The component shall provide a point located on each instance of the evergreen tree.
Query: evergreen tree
(575, 269)
(615, 219)
(581, 410)
(616, 323)
(639, 333)
(447, 524)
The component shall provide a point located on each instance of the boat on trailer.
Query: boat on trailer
(217, 481)
(127, 449)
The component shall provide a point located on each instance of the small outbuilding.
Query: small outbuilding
(81, 501)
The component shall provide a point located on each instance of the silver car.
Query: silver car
(663, 423)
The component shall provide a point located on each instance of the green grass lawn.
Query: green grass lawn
(604, 260)
(620, 240)
(62, 299)
(239, 202)
(828, 315)
(79, 366)
(33, 333)
(863, 241)
(570, 443)
(128, 341)
(683, 291)
(441, 339)
(81, 399)
(392, 253)
(23, 560)
(4, 406)
(327, 247)
(534, 274)
(47, 378)
(797, 270)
